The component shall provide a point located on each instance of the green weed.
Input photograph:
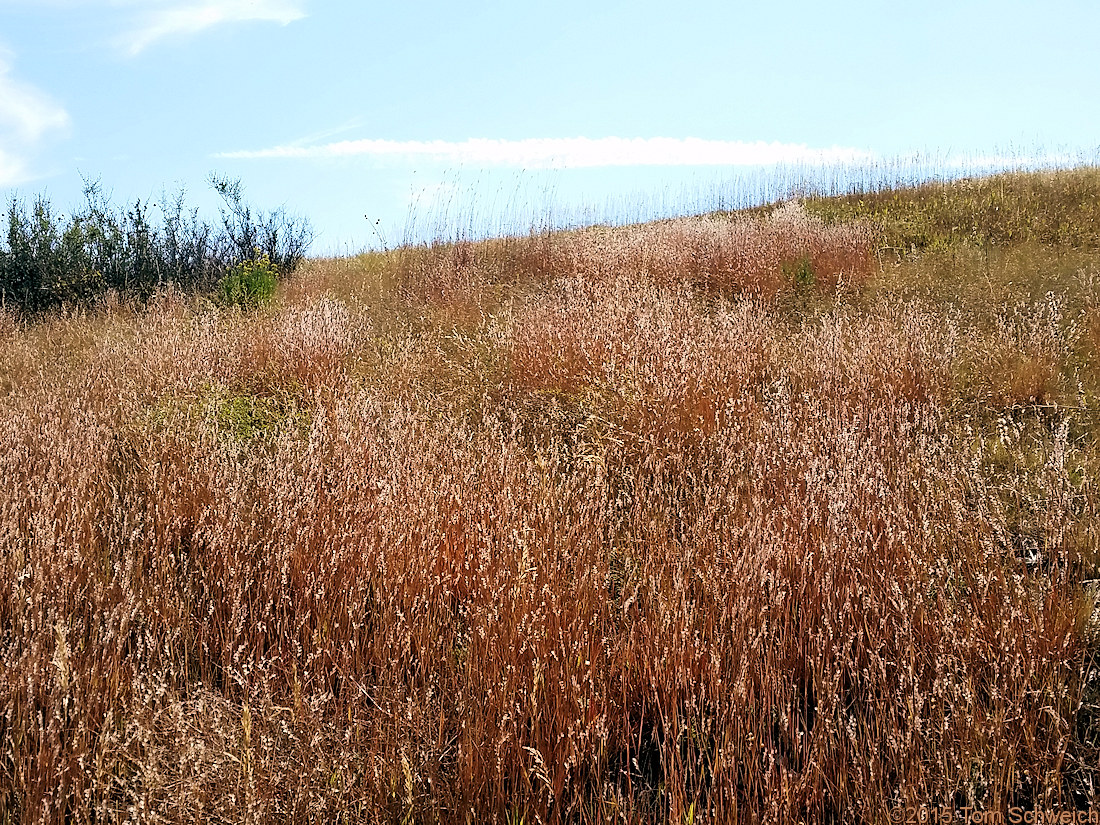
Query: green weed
(249, 284)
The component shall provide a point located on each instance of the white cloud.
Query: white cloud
(25, 112)
(561, 153)
(190, 18)
(144, 22)
(27, 115)
(13, 169)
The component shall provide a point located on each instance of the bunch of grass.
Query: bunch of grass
(584, 543)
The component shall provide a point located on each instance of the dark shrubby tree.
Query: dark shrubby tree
(283, 238)
(47, 262)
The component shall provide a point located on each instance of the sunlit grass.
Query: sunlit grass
(724, 519)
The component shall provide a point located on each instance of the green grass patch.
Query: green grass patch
(1060, 208)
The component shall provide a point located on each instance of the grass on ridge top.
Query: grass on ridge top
(735, 518)
(1059, 208)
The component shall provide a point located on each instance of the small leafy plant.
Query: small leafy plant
(800, 273)
(249, 284)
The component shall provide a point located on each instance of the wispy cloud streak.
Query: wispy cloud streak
(560, 153)
(27, 115)
(191, 18)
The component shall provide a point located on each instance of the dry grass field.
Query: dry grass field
(770, 517)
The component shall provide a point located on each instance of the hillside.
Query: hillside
(785, 515)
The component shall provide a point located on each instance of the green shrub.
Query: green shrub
(800, 273)
(246, 417)
(243, 417)
(47, 261)
(283, 238)
(249, 284)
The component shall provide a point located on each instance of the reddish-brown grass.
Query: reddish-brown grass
(590, 527)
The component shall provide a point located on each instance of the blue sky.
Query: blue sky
(422, 111)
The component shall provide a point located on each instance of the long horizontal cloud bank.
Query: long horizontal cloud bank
(559, 153)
